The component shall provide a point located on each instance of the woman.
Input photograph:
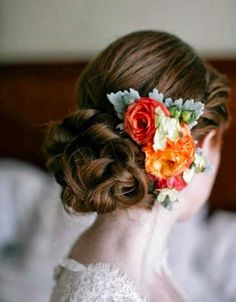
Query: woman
(128, 153)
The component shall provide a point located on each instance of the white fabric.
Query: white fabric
(100, 282)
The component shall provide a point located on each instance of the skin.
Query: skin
(134, 239)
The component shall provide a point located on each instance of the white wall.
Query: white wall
(71, 29)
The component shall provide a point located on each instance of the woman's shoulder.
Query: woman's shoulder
(76, 282)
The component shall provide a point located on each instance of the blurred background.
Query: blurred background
(44, 46)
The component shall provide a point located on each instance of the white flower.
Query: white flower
(200, 162)
(188, 174)
(167, 127)
(172, 194)
(122, 99)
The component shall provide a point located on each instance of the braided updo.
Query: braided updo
(100, 169)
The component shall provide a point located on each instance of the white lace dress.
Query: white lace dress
(100, 282)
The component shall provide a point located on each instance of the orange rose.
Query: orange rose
(139, 119)
(173, 160)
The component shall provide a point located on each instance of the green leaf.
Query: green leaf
(156, 95)
(122, 99)
(175, 111)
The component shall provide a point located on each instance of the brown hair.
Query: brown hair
(100, 169)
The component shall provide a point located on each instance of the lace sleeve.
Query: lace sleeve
(99, 282)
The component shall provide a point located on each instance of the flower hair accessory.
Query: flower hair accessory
(162, 127)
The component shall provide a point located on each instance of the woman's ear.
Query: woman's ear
(211, 147)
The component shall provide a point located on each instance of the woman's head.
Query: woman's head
(101, 169)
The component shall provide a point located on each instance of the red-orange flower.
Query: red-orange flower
(174, 159)
(173, 182)
(139, 120)
(176, 182)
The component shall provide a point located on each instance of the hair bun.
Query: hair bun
(97, 168)
(60, 134)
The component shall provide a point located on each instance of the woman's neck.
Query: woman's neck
(133, 239)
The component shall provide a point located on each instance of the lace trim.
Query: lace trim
(75, 266)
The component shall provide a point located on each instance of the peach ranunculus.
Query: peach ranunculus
(173, 160)
(139, 120)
